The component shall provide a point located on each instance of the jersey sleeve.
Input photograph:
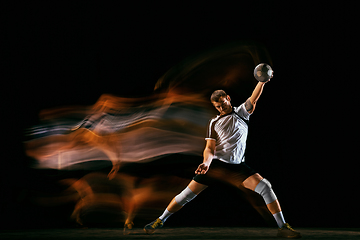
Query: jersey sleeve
(241, 110)
(211, 134)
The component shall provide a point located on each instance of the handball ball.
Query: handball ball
(263, 72)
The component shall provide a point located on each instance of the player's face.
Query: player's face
(223, 105)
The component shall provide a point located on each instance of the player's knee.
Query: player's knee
(185, 196)
(265, 190)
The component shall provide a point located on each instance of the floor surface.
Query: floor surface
(177, 233)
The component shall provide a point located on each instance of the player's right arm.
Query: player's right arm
(208, 155)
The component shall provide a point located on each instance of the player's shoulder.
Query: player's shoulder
(242, 112)
(214, 119)
(240, 107)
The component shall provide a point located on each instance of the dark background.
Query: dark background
(302, 136)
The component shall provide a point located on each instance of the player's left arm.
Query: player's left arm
(250, 103)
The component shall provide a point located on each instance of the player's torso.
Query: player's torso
(230, 128)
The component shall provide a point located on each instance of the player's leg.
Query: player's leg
(188, 194)
(265, 190)
(263, 187)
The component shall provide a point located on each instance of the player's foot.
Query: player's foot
(287, 232)
(151, 227)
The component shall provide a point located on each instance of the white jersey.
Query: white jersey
(230, 133)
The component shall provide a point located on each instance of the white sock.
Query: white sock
(165, 215)
(279, 218)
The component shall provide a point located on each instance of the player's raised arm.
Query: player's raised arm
(252, 100)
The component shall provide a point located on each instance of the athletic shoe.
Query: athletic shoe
(287, 232)
(151, 227)
(128, 226)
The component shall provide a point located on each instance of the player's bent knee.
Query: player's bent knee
(265, 190)
(185, 196)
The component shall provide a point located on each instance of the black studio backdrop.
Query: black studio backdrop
(69, 53)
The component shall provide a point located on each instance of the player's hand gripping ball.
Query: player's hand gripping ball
(263, 72)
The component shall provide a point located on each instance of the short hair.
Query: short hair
(216, 95)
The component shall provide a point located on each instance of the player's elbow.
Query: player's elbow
(250, 105)
(208, 150)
